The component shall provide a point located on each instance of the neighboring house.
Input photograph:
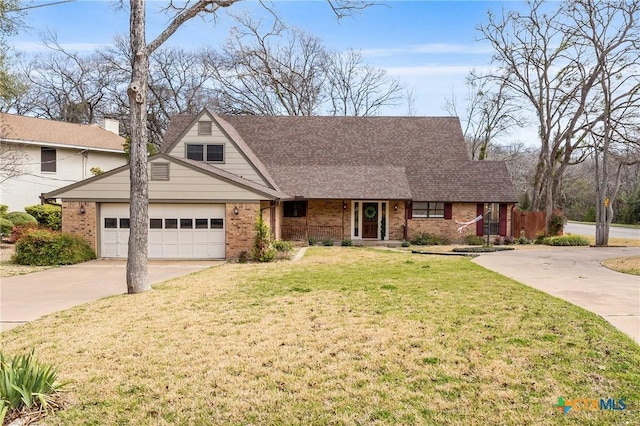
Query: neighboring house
(358, 178)
(42, 155)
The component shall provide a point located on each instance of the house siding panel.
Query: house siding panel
(234, 161)
(71, 166)
(184, 184)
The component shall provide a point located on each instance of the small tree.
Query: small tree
(263, 250)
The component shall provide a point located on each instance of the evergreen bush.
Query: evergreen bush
(566, 240)
(43, 247)
(48, 215)
(20, 218)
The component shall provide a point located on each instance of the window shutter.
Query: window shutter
(480, 223)
(409, 210)
(159, 171)
(503, 220)
(303, 209)
(448, 211)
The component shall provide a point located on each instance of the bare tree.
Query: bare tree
(137, 274)
(269, 72)
(358, 89)
(491, 112)
(542, 59)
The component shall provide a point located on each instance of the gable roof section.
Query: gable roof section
(38, 131)
(180, 125)
(348, 157)
(70, 192)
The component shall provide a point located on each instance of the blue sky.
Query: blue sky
(429, 46)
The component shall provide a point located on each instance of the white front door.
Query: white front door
(176, 231)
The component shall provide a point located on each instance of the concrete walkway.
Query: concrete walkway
(576, 275)
(24, 298)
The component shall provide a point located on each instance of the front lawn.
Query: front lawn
(349, 336)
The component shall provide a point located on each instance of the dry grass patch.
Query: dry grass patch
(627, 265)
(345, 336)
(9, 269)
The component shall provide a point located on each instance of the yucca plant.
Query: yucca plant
(26, 384)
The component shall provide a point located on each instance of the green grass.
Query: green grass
(345, 336)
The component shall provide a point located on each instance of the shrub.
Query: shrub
(20, 218)
(540, 238)
(26, 384)
(566, 240)
(49, 215)
(283, 249)
(328, 242)
(6, 226)
(523, 240)
(3, 210)
(312, 241)
(406, 243)
(263, 250)
(426, 239)
(498, 241)
(43, 247)
(473, 240)
(243, 257)
(346, 243)
(20, 230)
(556, 224)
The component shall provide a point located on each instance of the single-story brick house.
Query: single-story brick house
(358, 178)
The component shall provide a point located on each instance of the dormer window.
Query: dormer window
(210, 153)
(204, 128)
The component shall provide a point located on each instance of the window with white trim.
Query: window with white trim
(428, 209)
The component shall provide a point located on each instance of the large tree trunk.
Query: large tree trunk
(137, 274)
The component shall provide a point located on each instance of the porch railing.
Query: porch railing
(304, 232)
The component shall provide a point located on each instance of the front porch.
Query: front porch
(356, 220)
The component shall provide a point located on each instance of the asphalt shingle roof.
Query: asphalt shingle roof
(38, 130)
(422, 158)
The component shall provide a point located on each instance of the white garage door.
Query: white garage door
(176, 231)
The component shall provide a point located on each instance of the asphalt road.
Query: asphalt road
(590, 231)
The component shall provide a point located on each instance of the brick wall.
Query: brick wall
(84, 225)
(240, 231)
(462, 212)
(446, 228)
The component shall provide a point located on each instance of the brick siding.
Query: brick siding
(84, 225)
(240, 231)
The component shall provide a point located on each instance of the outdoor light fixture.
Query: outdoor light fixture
(344, 206)
(235, 210)
(395, 206)
(81, 209)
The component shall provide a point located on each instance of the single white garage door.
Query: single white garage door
(176, 231)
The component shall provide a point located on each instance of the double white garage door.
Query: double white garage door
(176, 231)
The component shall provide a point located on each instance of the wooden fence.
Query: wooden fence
(529, 224)
(304, 232)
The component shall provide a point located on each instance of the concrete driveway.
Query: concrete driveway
(576, 275)
(589, 230)
(24, 298)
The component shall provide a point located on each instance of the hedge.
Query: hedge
(43, 247)
(49, 215)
